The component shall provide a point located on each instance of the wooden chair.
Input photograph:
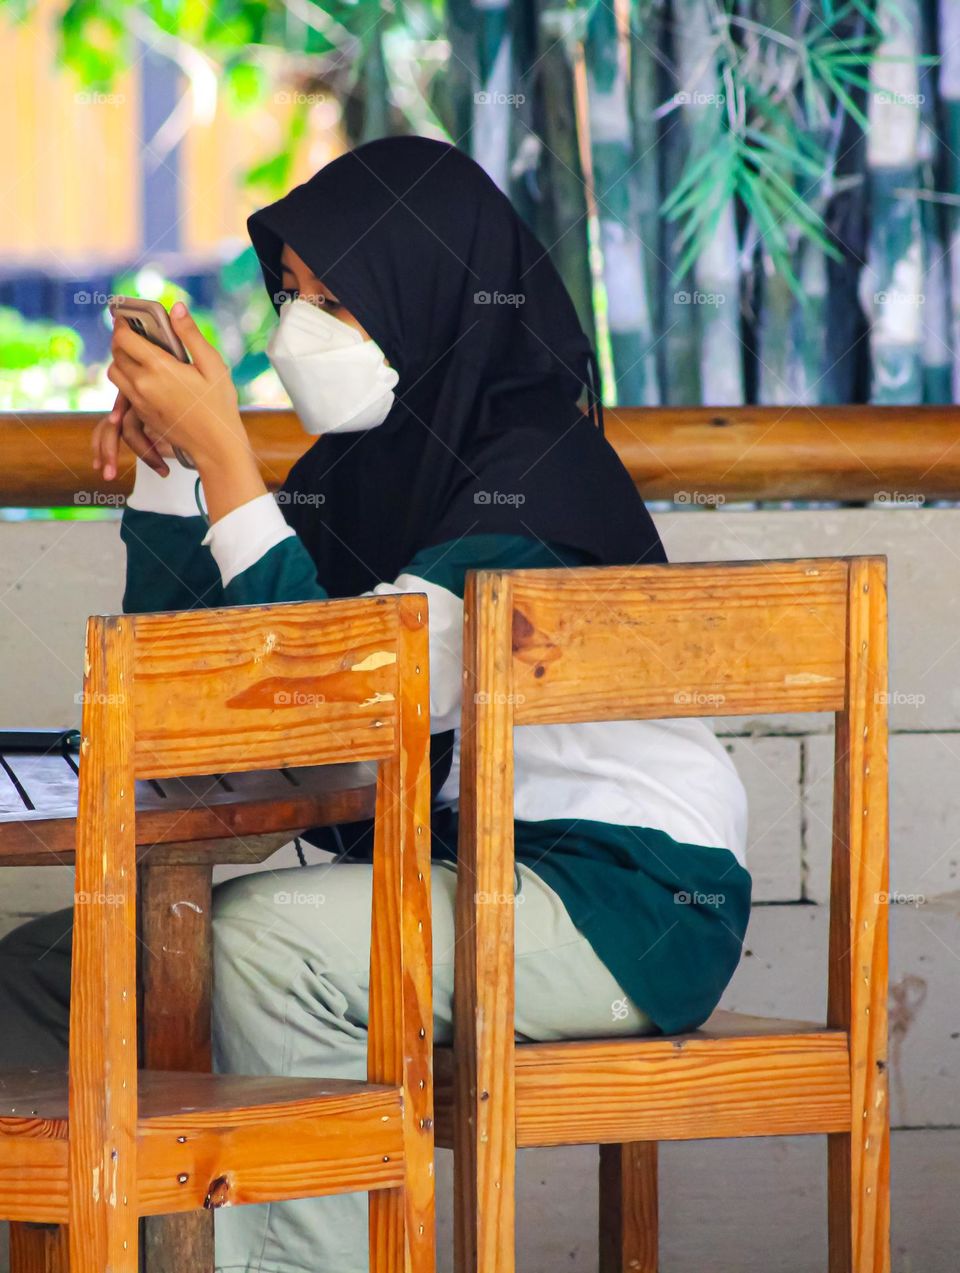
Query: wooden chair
(222, 691)
(608, 644)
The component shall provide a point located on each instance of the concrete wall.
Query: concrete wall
(728, 1207)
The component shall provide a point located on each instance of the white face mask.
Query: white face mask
(337, 381)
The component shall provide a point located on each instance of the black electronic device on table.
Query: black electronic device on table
(41, 741)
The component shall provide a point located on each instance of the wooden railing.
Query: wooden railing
(688, 454)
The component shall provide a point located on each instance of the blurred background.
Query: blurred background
(751, 201)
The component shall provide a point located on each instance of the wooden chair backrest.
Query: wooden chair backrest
(248, 688)
(712, 639)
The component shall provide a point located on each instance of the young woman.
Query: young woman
(428, 341)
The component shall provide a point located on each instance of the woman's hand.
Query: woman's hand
(189, 405)
(165, 403)
(123, 422)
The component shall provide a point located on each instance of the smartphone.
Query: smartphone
(150, 320)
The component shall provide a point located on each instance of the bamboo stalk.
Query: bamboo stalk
(949, 92)
(892, 283)
(937, 354)
(613, 152)
(647, 39)
(496, 95)
(678, 349)
(791, 332)
(716, 272)
(563, 224)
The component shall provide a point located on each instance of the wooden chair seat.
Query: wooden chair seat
(742, 1074)
(208, 1140)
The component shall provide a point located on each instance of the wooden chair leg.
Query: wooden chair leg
(38, 1248)
(628, 1208)
(387, 1244)
(858, 1209)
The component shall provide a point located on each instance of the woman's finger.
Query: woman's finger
(129, 366)
(160, 443)
(205, 357)
(106, 441)
(141, 350)
(141, 445)
(118, 377)
(119, 410)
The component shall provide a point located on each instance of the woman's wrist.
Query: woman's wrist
(229, 480)
(174, 495)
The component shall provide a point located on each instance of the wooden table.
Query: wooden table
(184, 828)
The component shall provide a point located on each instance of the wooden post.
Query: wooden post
(629, 1212)
(176, 971)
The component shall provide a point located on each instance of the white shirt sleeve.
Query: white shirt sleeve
(175, 494)
(240, 539)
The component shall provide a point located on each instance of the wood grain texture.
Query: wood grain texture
(400, 1039)
(656, 1089)
(38, 1248)
(33, 1173)
(729, 638)
(176, 967)
(176, 980)
(629, 1212)
(103, 992)
(485, 1143)
(740, 452)
(859, 1160)
(295, 1143)
(265, 687)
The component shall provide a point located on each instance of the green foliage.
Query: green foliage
(41, 363)
(770, 143)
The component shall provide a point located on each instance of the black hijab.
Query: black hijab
(485, 435)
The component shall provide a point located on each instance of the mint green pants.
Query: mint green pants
(292, 951)
(292, 979)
